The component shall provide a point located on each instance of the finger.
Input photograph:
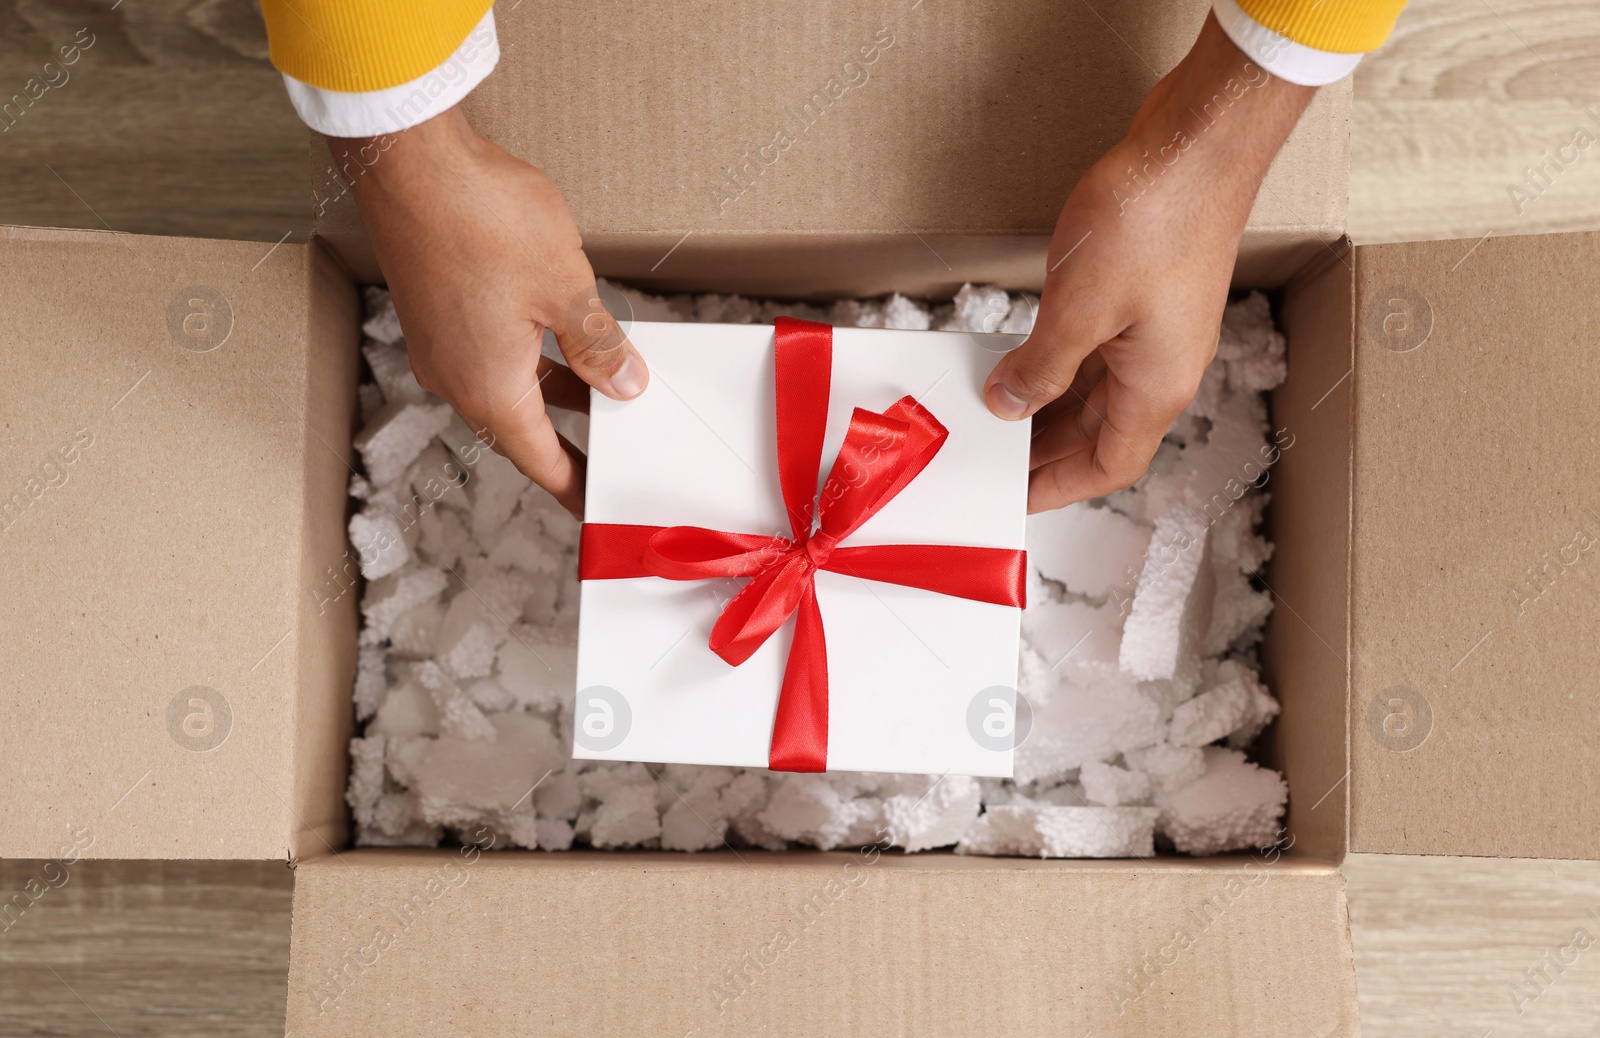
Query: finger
(1090, 373)
(597, 348)
(1070, 432)
(561, 388)
(1045, 365)
(1130, 431)
(555, 386)
(525, 435)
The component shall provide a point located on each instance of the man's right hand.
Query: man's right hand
(1138, 274)
(482, 255)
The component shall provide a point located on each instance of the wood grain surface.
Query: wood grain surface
(144, 949)
(1466, 947)
(1460, 102)
(170, 122)
(173, 122)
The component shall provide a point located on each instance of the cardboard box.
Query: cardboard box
(840, 148)
(189, 535)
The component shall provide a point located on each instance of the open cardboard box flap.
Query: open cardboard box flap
(585, 943)
(1436, 521)
(177, 437)
(844, 148)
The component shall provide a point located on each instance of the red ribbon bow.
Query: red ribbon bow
(882, 453)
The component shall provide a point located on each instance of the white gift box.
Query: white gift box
(918, 681)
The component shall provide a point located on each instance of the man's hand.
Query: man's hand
(1138, 274)
(482, 255)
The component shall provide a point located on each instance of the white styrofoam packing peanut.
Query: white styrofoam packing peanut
(1234, 805)
(1168, 767)
(386, 600)
(408, 711)
(371, 680)
(469, 637)
(1077, 640)
(1238, 612)
(1172, 605)
(490, 775)
(934, 818)
(1050, 831)
(1086, 722)
(1090, 549)
(415, 634)
(1111, 786)
(809, 809)
(1234, 703)
(396, 435)
(379, 542)
(391, 369)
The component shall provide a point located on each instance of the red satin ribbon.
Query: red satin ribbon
(881, 454)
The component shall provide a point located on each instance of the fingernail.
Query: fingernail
(1005, 403)
(630, 379)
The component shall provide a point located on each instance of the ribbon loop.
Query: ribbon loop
(751, 616)
(695, 553)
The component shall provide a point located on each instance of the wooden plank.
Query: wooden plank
(152, 949)
(1462, 947)
(170, 122)
(1464, 98)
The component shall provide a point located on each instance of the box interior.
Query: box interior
(368, 921)
(267, 419)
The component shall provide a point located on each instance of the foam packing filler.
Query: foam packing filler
(1138, 644)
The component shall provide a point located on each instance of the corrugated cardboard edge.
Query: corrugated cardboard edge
(88, 236)
(1307, 651)
(588, 943)
(330, 579)
(846, 266)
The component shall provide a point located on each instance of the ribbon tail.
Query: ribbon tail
(800, 730)
(803, 354)
(995, 575)
(614, 551)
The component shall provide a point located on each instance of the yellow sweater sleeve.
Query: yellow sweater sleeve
(1338, 26)
(362, 45)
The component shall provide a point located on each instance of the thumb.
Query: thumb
(1043, 367)
(597, 349)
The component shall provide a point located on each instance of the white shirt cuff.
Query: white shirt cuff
(1280, 55)
(337, 113)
